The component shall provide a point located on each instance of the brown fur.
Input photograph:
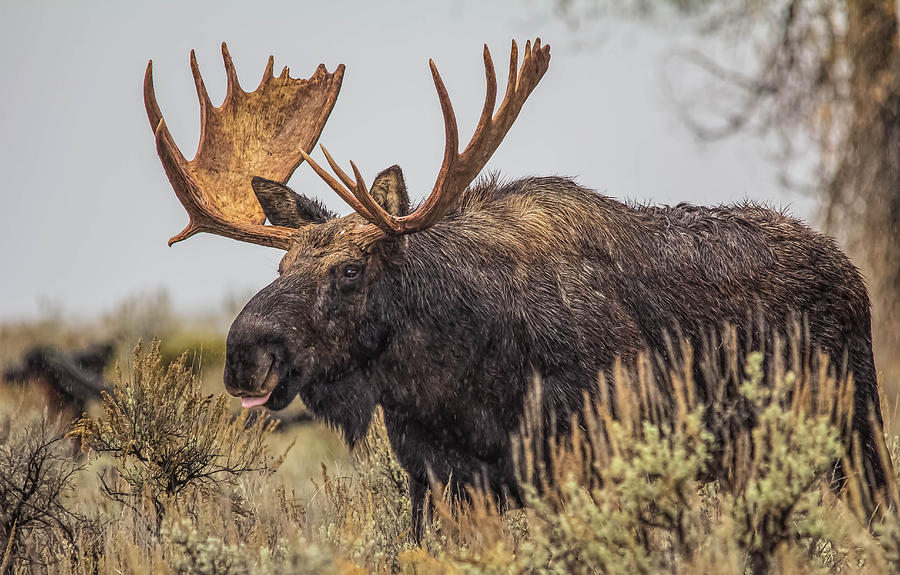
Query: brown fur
(446, 328)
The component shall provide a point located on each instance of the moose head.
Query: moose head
(326, 314)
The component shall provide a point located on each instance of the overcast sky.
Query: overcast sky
(87, 208)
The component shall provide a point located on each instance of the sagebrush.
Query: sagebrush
(175, 483)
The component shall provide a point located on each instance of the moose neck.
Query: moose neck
(437, 307)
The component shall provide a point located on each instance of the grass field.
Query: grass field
(166, 477)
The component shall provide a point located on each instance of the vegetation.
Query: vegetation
(171, 482)
(37, 477)
(172, 444)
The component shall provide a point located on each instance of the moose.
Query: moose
(443, 313)
(68, 380)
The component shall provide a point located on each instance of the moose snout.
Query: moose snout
(251, 375)
(252, 359)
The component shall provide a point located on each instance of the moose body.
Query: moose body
(445, 315)
(538, 277)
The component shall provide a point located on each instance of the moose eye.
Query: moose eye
(350, 276)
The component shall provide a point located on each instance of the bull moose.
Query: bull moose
(442, 313)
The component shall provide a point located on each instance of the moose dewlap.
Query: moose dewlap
(445, 314)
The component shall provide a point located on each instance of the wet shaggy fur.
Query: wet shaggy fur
(446, 328)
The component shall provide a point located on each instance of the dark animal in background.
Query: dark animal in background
(69, 379)
(443, 314)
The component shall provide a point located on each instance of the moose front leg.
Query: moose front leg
(429, 457)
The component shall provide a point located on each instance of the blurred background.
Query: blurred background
(791, 103)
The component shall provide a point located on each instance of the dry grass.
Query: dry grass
(172, 483)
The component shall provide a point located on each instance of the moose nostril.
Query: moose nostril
(249, 370)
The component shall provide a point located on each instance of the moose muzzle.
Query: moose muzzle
(252, 361)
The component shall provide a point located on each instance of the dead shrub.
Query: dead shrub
(37, 474)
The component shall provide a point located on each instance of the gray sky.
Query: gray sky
(88, 208)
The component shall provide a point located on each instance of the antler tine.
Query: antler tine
(451, 129)
(345, 194)
(458, 170)
(437, 202)
(356, 193)
(267, 73)
(520, 85)
(386, 221)
(202, 94)
(350, 184)
(489, 100)
(512, 79)
(233, 88)
(150, 104)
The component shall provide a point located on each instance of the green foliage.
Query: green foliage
(196, 554)
(793, 451)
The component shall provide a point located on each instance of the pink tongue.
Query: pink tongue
(247, 402)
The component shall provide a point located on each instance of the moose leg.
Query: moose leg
(868, 423)
(421, 514)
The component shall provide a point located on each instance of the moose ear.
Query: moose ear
(284, 207)
(389, 190)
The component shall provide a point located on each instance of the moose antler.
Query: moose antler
(458, 170)
(261, 133)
